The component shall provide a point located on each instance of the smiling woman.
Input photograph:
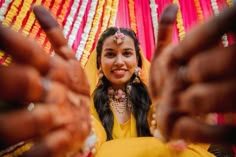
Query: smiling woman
(118, 57)
(120, 102)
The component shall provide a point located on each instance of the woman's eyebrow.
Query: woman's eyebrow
(108, 49)
(126, 49)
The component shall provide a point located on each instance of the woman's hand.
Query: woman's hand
(57, 86)
(194, 78)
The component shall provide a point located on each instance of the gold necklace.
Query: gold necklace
(119, 99)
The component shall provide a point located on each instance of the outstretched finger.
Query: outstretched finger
(45, 117)
(164, 39)
(165, 31)
(23, 50)
(54, 32)
(211, 97)
(223, 65)
(207, 34)
(15, 78)
(197, 131)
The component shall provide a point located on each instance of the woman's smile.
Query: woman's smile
(118, 73)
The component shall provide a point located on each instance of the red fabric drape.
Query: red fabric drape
(144, 27)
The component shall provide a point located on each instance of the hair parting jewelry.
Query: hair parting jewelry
(119, 37)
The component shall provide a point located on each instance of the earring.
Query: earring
(100, 76)
(137, 73)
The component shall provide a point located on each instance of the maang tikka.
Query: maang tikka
(119, 37)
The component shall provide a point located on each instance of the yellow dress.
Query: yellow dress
(125, 143)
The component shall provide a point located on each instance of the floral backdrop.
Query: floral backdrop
(84, 20)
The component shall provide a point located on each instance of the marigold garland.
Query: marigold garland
(55, 11)
(11, 13)
(132, 16)
(4, 8)
(113, 13)
(199, 11)
(36, 28)
(53, 7)
(77, 23)
(92, 32)
(64, 9)
(18, 24)
(31, 20)
(70, 18)
(106, 16)
(179, 21)
(87, 27)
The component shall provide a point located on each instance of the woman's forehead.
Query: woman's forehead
(111, 42)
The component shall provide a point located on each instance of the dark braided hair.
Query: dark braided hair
(139, 96)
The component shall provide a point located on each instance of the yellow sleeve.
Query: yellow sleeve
(99, 132)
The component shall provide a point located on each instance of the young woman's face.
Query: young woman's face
(118, 61)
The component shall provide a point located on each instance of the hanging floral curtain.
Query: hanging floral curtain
(84, 20)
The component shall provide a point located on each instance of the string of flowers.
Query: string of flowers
(94, 29)
(36, 28)
(106, 16)
(30, 20)
(60, 17)
(77, 23)
(65, 6)
(132, 16)
(154, 15)
(216, 11)
(199, 11)
(12, 12)
(113, 13)
(70, 18)
(87, 28)
(18, 24)
(3, 9)
(179, 20)
(53, 7)
(55, 10)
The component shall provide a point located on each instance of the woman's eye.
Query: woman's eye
(110, 54)
(127, 53)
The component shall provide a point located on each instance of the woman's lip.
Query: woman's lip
(119, 73)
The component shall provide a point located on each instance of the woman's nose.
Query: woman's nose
(119, 60)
